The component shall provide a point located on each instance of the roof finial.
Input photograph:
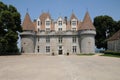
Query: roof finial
(87, 9)
(72, 11)
(27, 10)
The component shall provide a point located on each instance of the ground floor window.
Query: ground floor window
(38, 49)
(74, 49)
(47, 48)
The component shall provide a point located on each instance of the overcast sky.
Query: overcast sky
(65, 7)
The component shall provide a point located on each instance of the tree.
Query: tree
(10, 25)
(105, 28)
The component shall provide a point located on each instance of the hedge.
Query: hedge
(112, 52)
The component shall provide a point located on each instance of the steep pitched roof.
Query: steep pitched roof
(27, 23)
(35, 25)
(44, 16)
(87, 23)
(116, 36)
(73, 16)
(79, 25)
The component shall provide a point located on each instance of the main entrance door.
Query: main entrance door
(60, 52)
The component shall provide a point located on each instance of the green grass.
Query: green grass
(110, 55)
(86, 54)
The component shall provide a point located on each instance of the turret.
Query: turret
(27, 36)
(87, 34)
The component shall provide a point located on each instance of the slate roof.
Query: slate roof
(44, 16)
(116, 36)
(27, 23)
(87, 23)
(73, 16)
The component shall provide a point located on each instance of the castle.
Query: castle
(46, 36)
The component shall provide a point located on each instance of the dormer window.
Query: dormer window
(47, 23)
(74, 23)
(59, 23)
(73, 29)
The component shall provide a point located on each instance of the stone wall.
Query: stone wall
(27, 44)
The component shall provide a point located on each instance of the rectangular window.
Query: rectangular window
(47, 23)
(38, 39)
(59, 29)
(60, 39)
(73, 23)
(74, 39)
(38, 29)
(74, 29)
(60, 47)
(38, 49)
(47, 48)
(38, 23)
(48, 39)
(47, 29)
(74, 48)
(59, 23)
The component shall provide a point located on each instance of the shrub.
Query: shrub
(112, 53)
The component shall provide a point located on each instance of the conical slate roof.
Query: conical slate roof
(87, 23)
(27, 23)
(73, 16)
(116, 36)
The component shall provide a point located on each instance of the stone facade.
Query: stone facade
(45, 36)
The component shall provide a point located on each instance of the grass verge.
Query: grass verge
(85, 54)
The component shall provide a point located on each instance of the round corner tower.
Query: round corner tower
(87, 34)
(28, 35)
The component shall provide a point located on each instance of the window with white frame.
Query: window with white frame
(74, 39)
(74, 29)
(47, 48)
(74, 23)
(38, 22)
(47, 23)
(60, 23)
(47, 29)
(74, 49)
(60, 39)
(59, 29)
(47, 39)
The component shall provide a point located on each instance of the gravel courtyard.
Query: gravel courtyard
(39, 67)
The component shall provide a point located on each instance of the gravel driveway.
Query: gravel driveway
(39, 67)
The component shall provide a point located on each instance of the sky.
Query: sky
(65, 8)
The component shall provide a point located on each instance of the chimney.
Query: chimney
(65, 18)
